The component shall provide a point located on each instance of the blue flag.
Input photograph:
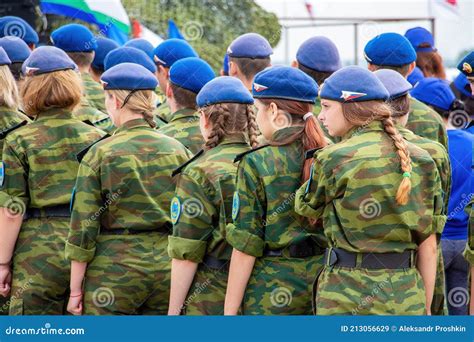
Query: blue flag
(173, 30)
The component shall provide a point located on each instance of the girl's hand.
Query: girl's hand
(74, 305)
(5, 280)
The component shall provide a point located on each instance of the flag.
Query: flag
(109, 16)
(451, 5)
(309, 8)
(173, 30)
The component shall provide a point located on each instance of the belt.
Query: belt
(165, 229)
(303, 249)
(216, 264)
(55, 211)
(376, 261)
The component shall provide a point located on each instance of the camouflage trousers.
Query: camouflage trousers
(129, 275)
(355, 291)
(207, 293)
(439, 307)
(281, 286)
(40, 279)
(4, 305)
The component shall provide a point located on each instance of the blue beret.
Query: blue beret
(4, 60)
(320, 54)
(395, 83)
(104, 46)
(281, 82)
(16, 48)
(172, 50)
(415, 76)
(126, 54)
(390, 49)
(128, 76)
(466, 65)
(74, 38)
(435, 92)
(142, 44)
(47, 59)
(250, 45)
(419, 36)
(462, 84)
(224, 89)
(191, 73)
(16, 26)
(353, 84)
(225, 64)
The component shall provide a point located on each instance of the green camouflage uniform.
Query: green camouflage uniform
(426, 123)
(40, 170)
(9, 121)
(264, 220)
(441, 158)
(352, 188)
(204, 190)
(184, 127)
(94, 93)
(469, 250)
(120, 220)
(163, 112)
(92, 116)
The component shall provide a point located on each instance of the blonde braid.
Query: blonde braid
(252, 127)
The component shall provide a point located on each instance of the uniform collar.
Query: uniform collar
(286, 132)
(9, 116)
(184, 113)
(372, 126)
(132, 124)
(55, 113)
(237, 138)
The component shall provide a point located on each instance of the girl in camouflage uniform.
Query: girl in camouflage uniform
(380, 199)
(276, 252)
(198, 246)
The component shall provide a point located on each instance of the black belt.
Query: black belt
(303, 249)
(56, 211)
(216, 264)
(342, 258)
(165, 229)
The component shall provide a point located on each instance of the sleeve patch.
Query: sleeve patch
(175, 210)
(235, 205)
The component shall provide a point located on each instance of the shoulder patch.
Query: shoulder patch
(181, 168)
(241, 155)
(5, 132)
(83, 152)
(175, 210)
(310, 153)
(235, 205)
(2, 173)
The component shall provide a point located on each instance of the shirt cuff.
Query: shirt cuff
(302, 206)
(77, 253)
(186, 249)
(244, 241)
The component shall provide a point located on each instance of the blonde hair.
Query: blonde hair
(8, 90)
(230, 118)
(140, 101)
(362, 113)
(58, 89)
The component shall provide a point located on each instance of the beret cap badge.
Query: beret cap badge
(467, 67)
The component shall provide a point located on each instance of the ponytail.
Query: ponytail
(313, 137)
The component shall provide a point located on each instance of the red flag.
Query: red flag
(309, 8)
(136, 29)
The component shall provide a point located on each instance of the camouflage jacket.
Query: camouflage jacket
(94, 93)
(40, 160)
(184, 127)
(263, 206)
(163, 113)
(469, 251)
(204, 194)
(353, 186)
(92, 116)
(123, 182)
(10, 120)
(426, 123)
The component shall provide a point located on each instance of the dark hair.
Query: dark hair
(400, 106)
(431, 64)
(456, 106)
(402, 69)
(97, 71)
(15, 69)
(82, 59)
(249, 67)
(183, 97)
(318, 76)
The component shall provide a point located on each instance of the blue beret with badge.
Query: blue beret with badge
(421, 39)
(128, 76)
(250, 45)
(4, 60)
(142, 44)
(434, 92)
(463, 85)
(353, 84)
(104, 46)
(127, 54)
(394, 82)
(286, 83)
(16, 26)
(172, 50)
(191, 73)
(224, 89)
(391, 49)
(415, 76)
(16, 48)
(74, 38)
(47, 59)
(320, 54)
(466, 65)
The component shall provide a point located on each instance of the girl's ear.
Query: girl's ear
(118, 105)
(205, 121)
(274, 110)
(169, 91)
(232, 68)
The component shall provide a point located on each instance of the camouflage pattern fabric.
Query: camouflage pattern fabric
(40, 172)
(426, 123)
(264, 218)
(94, 93)
(469, 251)
(184, 127)
(205, 189)
(353, 188)
(90, 115)
(163, 112)
(124, 182)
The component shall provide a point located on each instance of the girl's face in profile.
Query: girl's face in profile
(332, 118)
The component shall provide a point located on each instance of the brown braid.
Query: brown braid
(252, 127)
(220, 115)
